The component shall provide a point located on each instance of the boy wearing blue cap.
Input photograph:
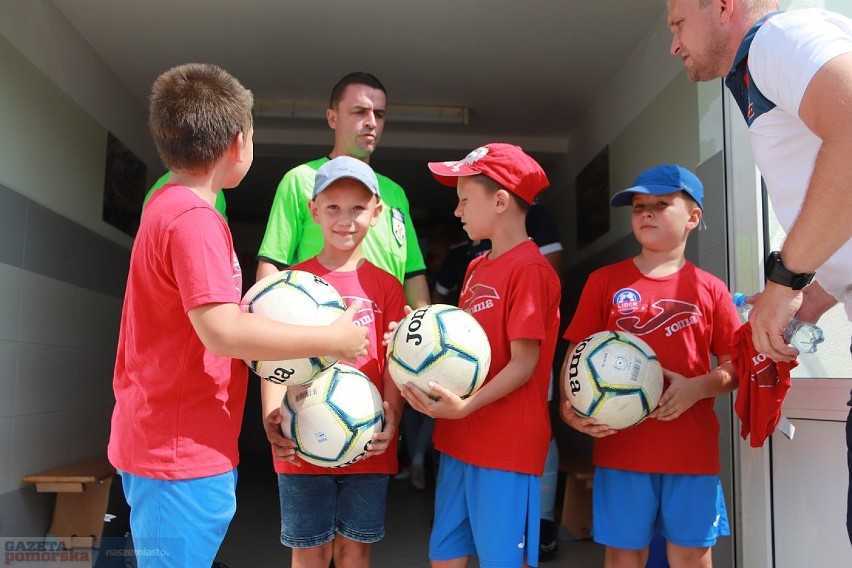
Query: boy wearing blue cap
(661, 475)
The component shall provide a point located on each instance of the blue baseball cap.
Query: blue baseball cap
(345, 167)
(661, 180)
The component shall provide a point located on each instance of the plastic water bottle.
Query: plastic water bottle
(800, 334)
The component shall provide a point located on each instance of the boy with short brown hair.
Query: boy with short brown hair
(179, 382)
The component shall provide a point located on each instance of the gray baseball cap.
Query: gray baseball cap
(345, 167)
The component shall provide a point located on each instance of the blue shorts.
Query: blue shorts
(179, 522)
(629, 506)
(314, 507)
(491, 513)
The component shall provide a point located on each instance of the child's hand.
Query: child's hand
(392, 326)
(447, 405)
(381, 440)
(352, 339)
(678, 397)
(583, 424)
(283, 448)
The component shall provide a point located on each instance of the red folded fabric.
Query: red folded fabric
(763, 386)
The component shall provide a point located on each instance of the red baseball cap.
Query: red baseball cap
(506, 164)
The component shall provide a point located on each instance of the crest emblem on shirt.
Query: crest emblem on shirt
(626, 300)
(398, 225)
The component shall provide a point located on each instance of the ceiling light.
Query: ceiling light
(312, 110)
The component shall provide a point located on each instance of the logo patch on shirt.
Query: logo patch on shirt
(366, 313)
(671, 315)
(398, 225)
(479, 297)
(626, 300)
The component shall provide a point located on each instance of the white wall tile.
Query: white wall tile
(10, 302)
(45, 380)
(8, 371)
(49, 311)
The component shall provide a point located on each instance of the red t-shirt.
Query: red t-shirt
(684, 317)
(383, 301)
(179, 407)
(515, 296)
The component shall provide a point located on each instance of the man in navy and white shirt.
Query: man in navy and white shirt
(791, 74)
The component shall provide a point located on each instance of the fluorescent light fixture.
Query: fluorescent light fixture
(313, 110)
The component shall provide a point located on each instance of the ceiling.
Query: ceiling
(526, 69)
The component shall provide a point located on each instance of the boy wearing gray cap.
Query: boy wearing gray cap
(337, 514)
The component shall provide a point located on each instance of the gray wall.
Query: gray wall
(62, 274)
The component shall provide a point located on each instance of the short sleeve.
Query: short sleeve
(790, 48)
(284, 227)
(528, 303)
(201, 257)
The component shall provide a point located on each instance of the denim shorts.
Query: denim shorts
(629, 506)
(314, 507)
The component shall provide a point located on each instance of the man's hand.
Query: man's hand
(772, 311)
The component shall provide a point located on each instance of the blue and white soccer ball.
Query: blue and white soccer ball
(443, 344)
(615, 378)
(332, 419)
(295, 297)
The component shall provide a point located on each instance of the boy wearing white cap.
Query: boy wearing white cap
(337, 514)
(662, 474)
(493, 444)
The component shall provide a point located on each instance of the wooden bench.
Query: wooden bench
(82, 494)
(577, 500)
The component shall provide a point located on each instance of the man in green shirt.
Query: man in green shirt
(357, 115)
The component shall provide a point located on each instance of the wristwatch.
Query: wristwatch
(778, 273)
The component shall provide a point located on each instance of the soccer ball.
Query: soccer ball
(296, 297)
(614, 377)
(443, 344)
(333, 418)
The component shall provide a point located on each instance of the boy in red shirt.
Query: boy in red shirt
(179, 382)
(493, 444)
(338, 513)
(662, 474)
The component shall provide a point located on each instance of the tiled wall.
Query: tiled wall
(61, 289)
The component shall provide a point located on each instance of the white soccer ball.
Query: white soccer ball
(443, 344)
(333, 418)
(295, 297)
(614, 377)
